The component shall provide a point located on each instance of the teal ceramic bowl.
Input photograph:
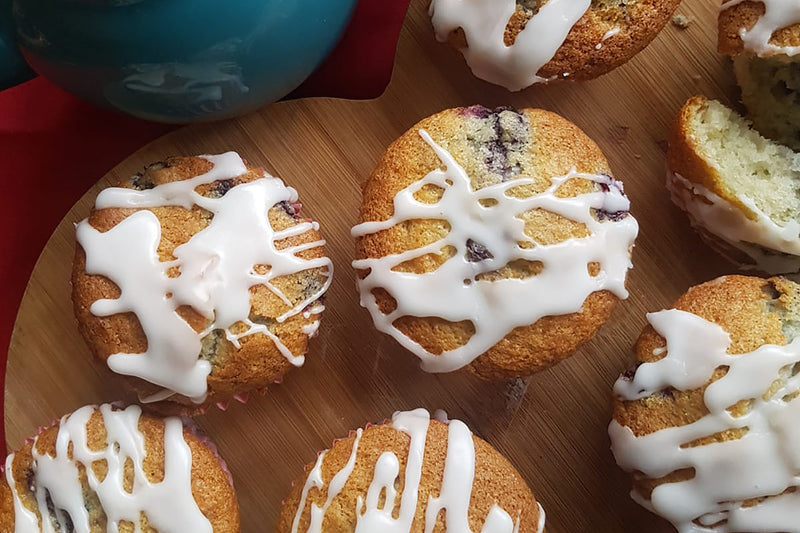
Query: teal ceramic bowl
(179, 60)
(13, 69)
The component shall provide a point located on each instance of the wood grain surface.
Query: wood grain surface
(553, 428)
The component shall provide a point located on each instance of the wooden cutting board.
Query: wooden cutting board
(555, 431)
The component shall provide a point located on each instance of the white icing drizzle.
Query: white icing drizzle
(777, 14)
(730, 223)
(454, 495)
(763, 463)
(608, 35)
(216, 271)
(454, 292)
(168, 504)
(484, 23)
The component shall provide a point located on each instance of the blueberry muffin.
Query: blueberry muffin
(739, 188)
(763, 28)
(412, 474)
(546, 40)
(763, 38)
(108, 469)
(198, 280)
(706, 419)
(495, 240)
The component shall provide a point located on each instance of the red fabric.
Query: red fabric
(53, 147)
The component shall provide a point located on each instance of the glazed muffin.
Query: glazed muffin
(763, 38)
(706, 420)
(401, 476)
(739, 189)
(199, 281)
(545, 40)
(763, 28)
(108, 469)
(495, 240)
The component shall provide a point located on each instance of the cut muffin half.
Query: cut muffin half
(740, 190)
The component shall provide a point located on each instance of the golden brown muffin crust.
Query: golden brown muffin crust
(557, 146)
(744, 16)
(684, 156)
(496, 482)
(258, 362)
(211, 488)
(751, 310)
(639, 22)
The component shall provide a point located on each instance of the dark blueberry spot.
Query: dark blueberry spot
(505, 139)
(770, 291)
(222, 187)
(500, 109)
(609, 182)
(477, 252)
(615, 216)
(610, 185)
(288, 208)
(477, 111)
(30, 480)
(631, 372)
(140, 183)
(68, 523)
(667, 392)
(51, 507)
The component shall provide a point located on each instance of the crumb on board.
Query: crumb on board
(681, 21)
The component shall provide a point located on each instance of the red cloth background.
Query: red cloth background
(53, 147)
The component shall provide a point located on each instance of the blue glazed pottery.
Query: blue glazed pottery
(179, 60)
(13, 69)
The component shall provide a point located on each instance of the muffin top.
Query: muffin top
(763, 28)
(108, 469)
(517, 43)
(199, 278)
(736, 185)
(411, 475)
(476, 224)
(706, 421)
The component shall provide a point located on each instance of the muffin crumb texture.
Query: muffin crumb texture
(681, 22)
(737, 186)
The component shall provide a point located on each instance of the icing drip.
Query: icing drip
(454, 495)
(778, 14)
(484, 23)
(731, 224)
(608, 35)
(168, 505)
(217, 271)
(456, 292)
(763, 463)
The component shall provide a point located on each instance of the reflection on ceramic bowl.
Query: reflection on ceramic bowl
(179, 60)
